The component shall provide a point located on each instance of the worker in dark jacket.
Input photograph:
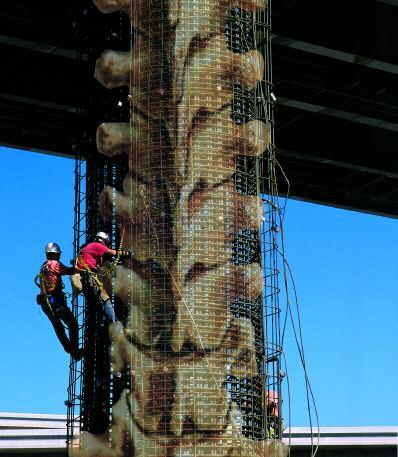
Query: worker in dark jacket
(53, 301)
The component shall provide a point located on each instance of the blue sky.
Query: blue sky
(36, 207)
(345, 268)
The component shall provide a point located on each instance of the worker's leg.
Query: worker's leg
(109, 312)
(69, 319)
(90, 289)
(93, 295)
(56, 323)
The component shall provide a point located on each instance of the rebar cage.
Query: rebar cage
(198, 364)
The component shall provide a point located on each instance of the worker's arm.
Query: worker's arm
(64, 270)
(115, 253)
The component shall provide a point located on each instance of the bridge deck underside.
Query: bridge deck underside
(335, 79)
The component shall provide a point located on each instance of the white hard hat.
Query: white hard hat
(103, 237)
(52, 248)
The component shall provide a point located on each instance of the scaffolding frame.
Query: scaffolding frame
(76, 368)
(92, 386)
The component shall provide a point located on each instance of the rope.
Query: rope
(119, 251)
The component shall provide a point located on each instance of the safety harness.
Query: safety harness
(41, 281)
(94, 274)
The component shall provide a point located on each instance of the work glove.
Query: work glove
(127, 254)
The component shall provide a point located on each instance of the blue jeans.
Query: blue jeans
(109, 312)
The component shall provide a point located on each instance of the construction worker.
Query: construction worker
(273, 419)
(53, 301)
(89, 261)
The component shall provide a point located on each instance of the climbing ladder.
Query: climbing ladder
(76, 368)
(91, 383)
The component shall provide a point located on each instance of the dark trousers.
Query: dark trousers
(59, 314)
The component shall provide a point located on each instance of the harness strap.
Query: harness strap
(87, 269)
(40, 282)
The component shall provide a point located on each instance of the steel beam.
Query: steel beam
(335, 54)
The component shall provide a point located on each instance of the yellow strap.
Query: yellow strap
(43, 280)
(86, 267)
(93, 274)
(42, 287)
(37, 277)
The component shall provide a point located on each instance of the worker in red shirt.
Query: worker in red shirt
(89, 260)
(53, 301)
